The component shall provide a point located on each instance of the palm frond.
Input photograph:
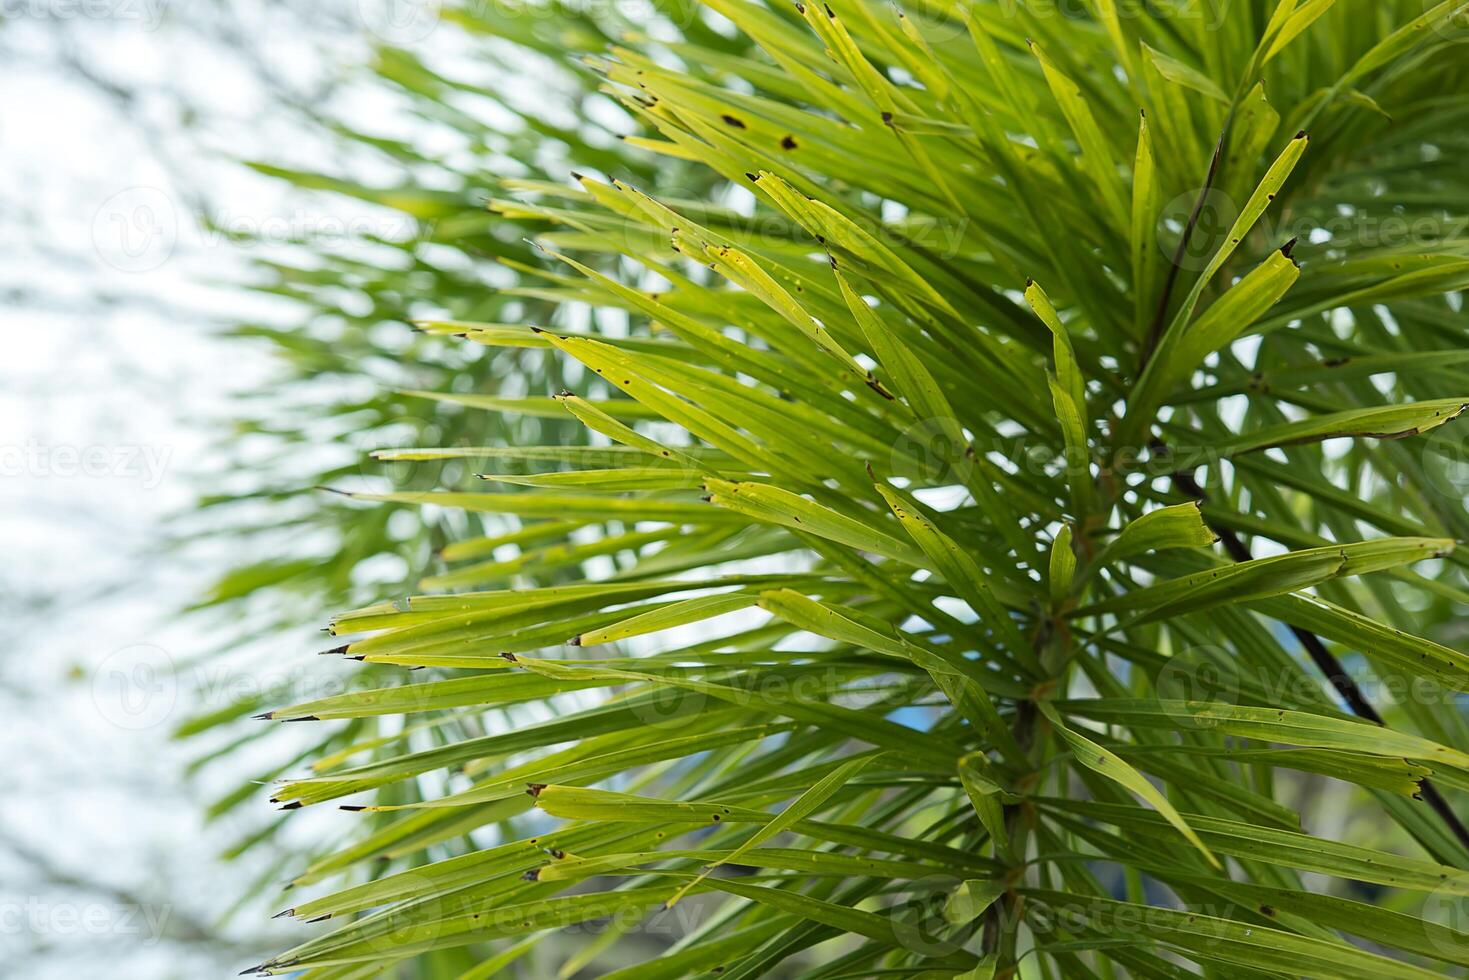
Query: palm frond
(991, 517)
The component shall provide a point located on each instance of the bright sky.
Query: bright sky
(108, 383)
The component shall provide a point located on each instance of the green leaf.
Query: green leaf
(1224, 941)
(775, 505)
(1179, 526)
(1390, 422)
(666, 617)
(1063, 565)
(802, 807)
(1271, 725)
(1100, 760)
(1266, 577)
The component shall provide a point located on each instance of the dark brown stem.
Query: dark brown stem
(1328, 664)
(1155, 329)
(1002, 914)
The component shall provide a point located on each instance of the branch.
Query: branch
(1328, 664)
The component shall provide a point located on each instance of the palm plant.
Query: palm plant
(1000, 520)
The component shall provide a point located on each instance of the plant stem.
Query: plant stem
(1002, 922)
(1336, 674)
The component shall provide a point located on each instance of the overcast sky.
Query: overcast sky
(118, 123)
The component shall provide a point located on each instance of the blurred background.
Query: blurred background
(134, 246)
(219, 220)
(124, 206)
